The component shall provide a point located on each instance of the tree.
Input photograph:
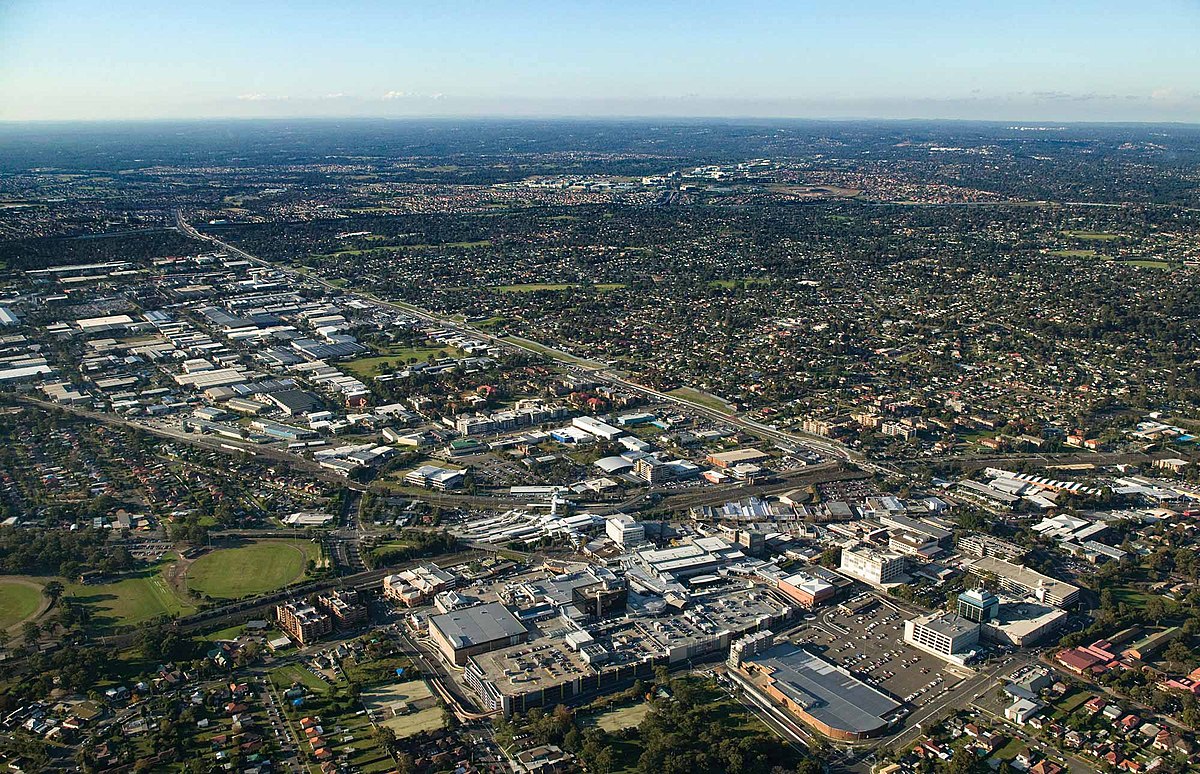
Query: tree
(52, 591)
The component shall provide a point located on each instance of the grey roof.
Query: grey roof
(949, 624)
(613, 464)
(477, 625)
(296, 401)
(827, 692)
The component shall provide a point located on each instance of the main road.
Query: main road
(820, 446)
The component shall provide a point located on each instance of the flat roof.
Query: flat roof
(477, 625)
(949, 624)
(827, 692)
(1024, 576)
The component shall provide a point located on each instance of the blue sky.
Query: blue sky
(1003, 59)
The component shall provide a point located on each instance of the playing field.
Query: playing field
(1092, 236)
(130, 601)
(19, 599)
(534, 287)
(253, 568)
(389, 704)
(622, 717)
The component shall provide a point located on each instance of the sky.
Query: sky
(1049, 60)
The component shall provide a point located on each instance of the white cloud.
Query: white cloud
(396, 95)
(257, 97)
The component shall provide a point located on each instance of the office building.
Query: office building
(945, 635)
(1022, 582)
(417, 585)
(625, 531)
(872, 566)
(978, 605)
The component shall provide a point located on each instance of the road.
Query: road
(820, 446)
(210, 443)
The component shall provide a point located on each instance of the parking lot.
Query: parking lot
(870, 645)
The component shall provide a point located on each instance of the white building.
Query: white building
(625, 531)
(946, 635)
(597, 428)
(874, 567)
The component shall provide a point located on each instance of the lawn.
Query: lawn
(1076, 254)
(424, 714)
(19, 599)
(228, 633)
(286, 676)
(398, 356)
(622, 717)
(1092, 236)
(133, 600)
(1148, 264)
(701, 399)
(250, 569)
(533, 287)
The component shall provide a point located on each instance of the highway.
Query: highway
(820, 446)
(825, 447)
(199, 440)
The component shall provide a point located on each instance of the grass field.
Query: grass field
(533, 287)
(1148, 264)
(253, 568)
(132, 600)
(19, 599)
(285, 676)
(702, 399)
(1076, 254)
(368, 367)
(1092, 236)
(425, 713)
(622, 717)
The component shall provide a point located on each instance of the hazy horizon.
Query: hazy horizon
(1097, 61)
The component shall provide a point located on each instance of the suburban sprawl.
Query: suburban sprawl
(561, 446)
